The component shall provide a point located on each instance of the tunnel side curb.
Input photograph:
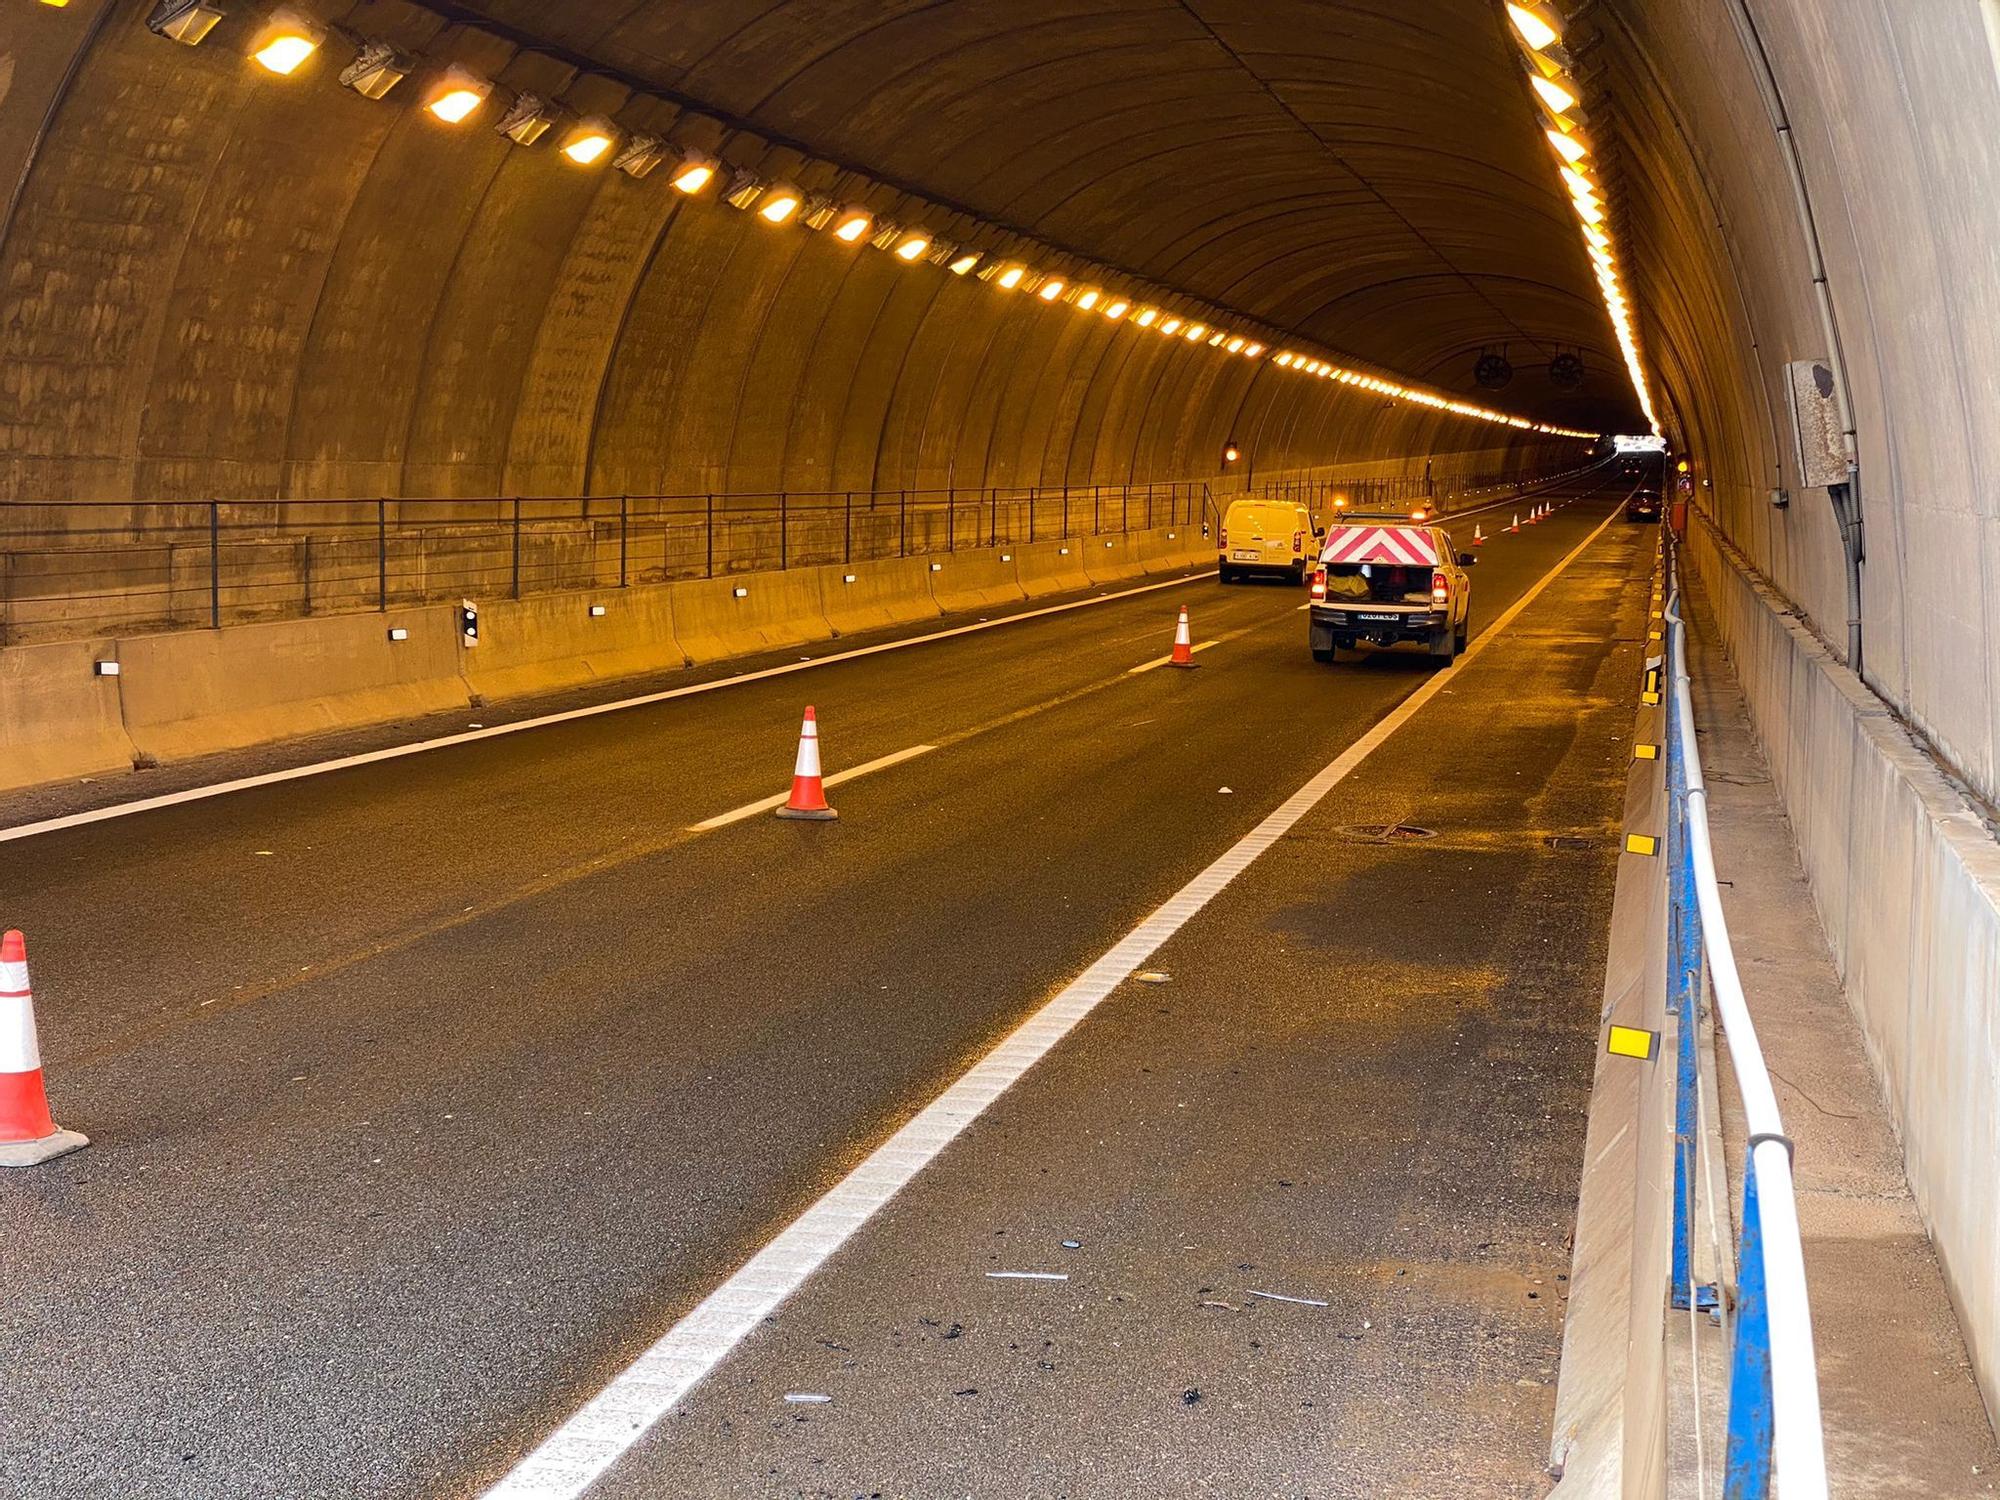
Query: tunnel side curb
(1609, 1438)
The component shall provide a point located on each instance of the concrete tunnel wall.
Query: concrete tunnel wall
(215, 283)
(1894, 110)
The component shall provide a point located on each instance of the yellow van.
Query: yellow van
(1272, 538)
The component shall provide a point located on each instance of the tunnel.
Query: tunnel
(445, 443)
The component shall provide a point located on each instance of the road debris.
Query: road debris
(1029, 1275)
(808, 1398)
(1153, 976)
(1281, 1297)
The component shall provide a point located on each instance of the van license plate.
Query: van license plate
(1245, 554)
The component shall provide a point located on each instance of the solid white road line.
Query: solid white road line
(572, 1457)
(1167, 660)
(751, 809)
(472, 736)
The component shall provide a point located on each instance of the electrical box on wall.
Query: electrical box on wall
(1816, 430)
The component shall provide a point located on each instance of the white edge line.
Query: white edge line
(765, 804)
(570, 1459)
(472, 736)
(591, 711)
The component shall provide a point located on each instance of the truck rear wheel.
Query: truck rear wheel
(1322, 644)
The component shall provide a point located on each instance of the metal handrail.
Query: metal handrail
(1774, 1410)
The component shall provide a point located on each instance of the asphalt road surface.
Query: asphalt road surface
(426, 1095)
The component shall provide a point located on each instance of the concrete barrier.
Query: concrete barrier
(1906, 876)
(554, 641)
(58, 719)
(977, 580)
(892, 591)
(1171, 548)
(1112, 559)
(1052, 567)
(773, 610)
(192, 692)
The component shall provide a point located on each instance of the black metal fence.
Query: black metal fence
(73, 569)
(1394, 491)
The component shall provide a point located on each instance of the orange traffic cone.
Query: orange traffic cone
(1183, 644)
(27, 1134)
(1477, 539)
(808, 789)
(1517, 522)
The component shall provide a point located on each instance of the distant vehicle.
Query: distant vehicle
(1643, 506)
(1387, 579)
(1268, 538)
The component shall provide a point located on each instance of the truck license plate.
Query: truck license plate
(1386, 619)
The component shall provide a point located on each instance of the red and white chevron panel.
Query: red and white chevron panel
(1409, 545)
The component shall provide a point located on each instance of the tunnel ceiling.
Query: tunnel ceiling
(1367, 173)
(221, 283)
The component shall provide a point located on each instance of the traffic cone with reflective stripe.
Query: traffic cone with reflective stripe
(808, 799)
(27, 1133)
(1477, 539)
(1183, 644)
(1517, 522)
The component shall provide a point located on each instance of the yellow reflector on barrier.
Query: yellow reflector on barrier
(1645, 752)
(1649, 699)
(1630, 1041)
(1641, 843)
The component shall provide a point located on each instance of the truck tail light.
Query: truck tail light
(1319, 583)
(1298, 541)
(1440, 588)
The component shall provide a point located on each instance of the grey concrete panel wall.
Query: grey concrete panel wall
(1906, 877)
(1895, 111)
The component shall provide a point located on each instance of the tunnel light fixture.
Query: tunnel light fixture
(1051, 289)
(694, 172)
(1252, 350)
(285, 41)
(1196, 332)
(1215, 339)
(744, 189)
(640, 156)
(456, 94)
(184, 21)
(1534, 24)
(1579, 185)
(779, 204)
(1116, 308)
(377, 68)
(911, 250)
(1568, 147)
(1088, 298)
(1147, 317)
(1170, 327)
(527, 119)
(1559, 100)
(965, 264)
(1283, 361)
(1237, 343)
(1011, 276)
(587, 142)
(852, 224)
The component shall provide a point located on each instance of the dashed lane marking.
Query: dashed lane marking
(867, 768)
(570, 1459)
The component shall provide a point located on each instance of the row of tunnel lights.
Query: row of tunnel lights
(1539, 30)
(289, 37)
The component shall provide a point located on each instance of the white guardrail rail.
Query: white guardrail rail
(1774, 1430)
